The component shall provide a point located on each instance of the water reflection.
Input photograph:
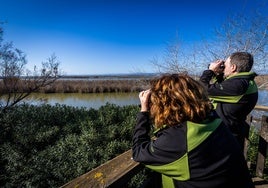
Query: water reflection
(88, 100)
(262, 100)
(95, 100)
(263, 96)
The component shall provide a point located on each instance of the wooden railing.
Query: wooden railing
(117, 172)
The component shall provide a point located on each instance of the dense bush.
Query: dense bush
(253, 152)
(47, 146)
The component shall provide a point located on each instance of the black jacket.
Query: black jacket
(192, 155)
(234, 98)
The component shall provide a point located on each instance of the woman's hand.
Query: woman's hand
(145, 99)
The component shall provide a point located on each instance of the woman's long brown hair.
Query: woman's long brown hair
(176, 98)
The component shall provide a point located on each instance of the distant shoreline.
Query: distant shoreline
(260, 79)
(110, 83)
(110, 76)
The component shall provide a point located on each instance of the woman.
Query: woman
(192, 148)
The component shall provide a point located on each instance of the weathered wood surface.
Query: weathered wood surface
(262, 108)
(260, 183)
(114, 173)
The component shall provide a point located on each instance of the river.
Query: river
(95, 100)
(87, 100)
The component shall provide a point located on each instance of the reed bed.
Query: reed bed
(102, 85)
(95, 86)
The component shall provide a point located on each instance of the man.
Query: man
(234, 93)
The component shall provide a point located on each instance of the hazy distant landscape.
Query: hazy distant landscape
(109, 76)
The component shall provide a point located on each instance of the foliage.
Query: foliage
(139, 179)
(47, 146)
(253, 144)
(253, 152)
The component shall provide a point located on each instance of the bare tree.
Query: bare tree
(176, 59)
(16, 82)
(172, 61)
(239, 33)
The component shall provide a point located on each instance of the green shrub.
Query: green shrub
(47, 146)
(253, 153)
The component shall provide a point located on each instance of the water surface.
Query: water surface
(87, 100)
(95, 100)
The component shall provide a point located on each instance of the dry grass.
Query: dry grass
(262, 81)
(96, 86)
(108, 86)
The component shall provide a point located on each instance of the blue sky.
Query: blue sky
(110, 36)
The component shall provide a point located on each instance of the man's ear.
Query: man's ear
(233, 68)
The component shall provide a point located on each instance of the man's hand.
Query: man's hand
(217, 67)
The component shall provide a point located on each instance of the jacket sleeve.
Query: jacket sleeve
(229, 87)
(141, 139)
(206, 77)
(164, 149)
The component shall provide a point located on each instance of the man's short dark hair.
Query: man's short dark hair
(243, 60)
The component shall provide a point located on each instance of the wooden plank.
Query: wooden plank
(260, 183)
(110, 174)
(262, 108)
